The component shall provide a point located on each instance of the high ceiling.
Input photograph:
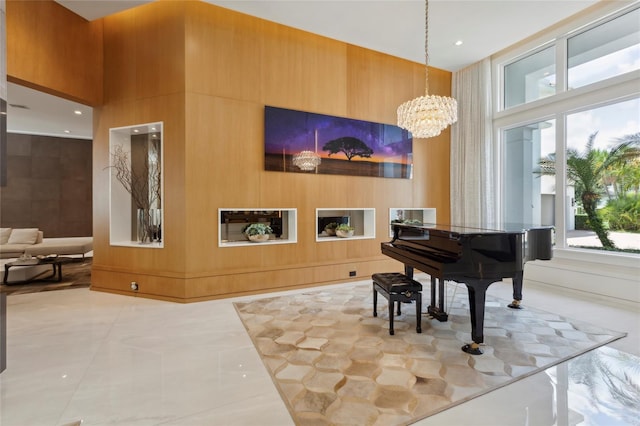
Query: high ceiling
(395, 27)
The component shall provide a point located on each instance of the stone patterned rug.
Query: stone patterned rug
(74, 275)
(334, 363)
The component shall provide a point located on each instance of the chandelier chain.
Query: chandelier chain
(426, 47)
(427, 116)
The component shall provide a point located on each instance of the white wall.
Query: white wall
(611, 276)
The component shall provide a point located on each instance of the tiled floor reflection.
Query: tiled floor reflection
(600, 388)
(109, 359)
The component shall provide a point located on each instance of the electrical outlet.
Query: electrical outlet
(352, 273)
(134, 286)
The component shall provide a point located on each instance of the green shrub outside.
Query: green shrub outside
(622, 214)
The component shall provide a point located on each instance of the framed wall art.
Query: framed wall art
(305, 142)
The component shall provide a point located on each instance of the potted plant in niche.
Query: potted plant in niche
(330, 229)
(257, 232)
(344, 231)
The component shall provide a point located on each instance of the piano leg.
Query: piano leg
(517, 290)
(391, 303)
(437, 311)
(477, 295)
(432, 305)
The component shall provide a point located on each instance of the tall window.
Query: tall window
(594, 137)
(561, 169)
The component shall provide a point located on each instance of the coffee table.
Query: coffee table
(55, 262)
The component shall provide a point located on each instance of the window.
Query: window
(592, 138)
(607, 50)
(530, 78)
(554, 152)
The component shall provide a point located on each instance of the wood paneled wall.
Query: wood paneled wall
(51, 49)
(207, 73)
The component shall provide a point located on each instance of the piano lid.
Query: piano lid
(473, 230)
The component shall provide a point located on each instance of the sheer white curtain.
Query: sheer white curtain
(472, 168)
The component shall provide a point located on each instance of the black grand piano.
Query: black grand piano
(476, 257)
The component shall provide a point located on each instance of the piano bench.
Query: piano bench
(397, 288)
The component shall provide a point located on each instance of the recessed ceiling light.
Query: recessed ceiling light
(67, 131)
(153, 128)
(135, 130)
(459, 43)
(77, 112)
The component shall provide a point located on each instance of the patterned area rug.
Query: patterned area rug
(334, 363)
(74, 275)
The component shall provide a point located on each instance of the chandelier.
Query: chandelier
(428, 115)
(306, 160)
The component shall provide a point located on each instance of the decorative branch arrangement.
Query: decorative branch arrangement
(143, 183)
(142, 180)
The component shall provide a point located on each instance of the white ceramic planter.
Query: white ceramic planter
(259, 238)
(344, 234)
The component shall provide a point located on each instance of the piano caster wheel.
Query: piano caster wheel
(472, 349)
(514, 305)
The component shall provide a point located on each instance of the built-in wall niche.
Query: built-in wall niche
(136, 186)
(232, 223)
(411, 216)
(363, 222)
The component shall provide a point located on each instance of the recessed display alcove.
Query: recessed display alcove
(232, 223)
(363, 222)
(136, 186)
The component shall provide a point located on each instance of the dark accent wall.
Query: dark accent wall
(49, 185)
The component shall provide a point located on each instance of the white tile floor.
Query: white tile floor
(117, 360)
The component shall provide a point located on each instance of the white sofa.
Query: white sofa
(14, 242)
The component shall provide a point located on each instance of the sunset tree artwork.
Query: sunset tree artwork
(351, 147)
(345, 146)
